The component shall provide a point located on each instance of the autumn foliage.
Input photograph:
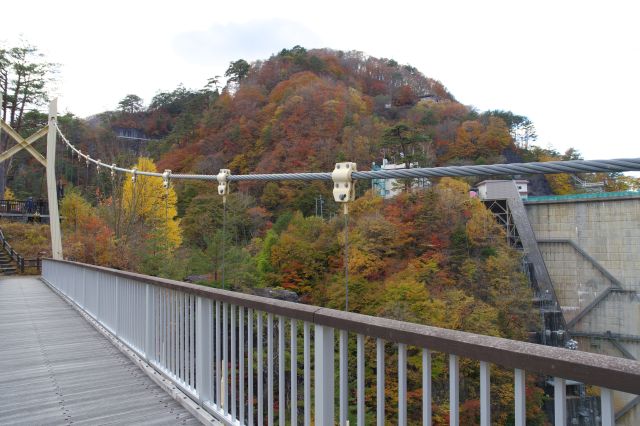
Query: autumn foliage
(432, 255)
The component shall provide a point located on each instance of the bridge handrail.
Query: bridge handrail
(24, 207)
(605, 371)
(596, 369)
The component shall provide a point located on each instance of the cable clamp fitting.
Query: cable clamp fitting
(166, 179)
(113, 170)
(88, 159)
(223, 182)
(98, 166)
(134, 175)
(344, 188)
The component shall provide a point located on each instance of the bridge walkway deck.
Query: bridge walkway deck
(55, 368)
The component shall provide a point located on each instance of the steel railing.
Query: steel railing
(21, 262)
(212, 344)
(24, 207)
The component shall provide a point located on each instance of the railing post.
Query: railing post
(559, 401)
(116, 308)
(150, 321)
(402, 384)
(519, 397)
(606, 403)
(454, 391)
(380, 396)
(204, 349)
(324, 381)
(485, 394)
(344, 377)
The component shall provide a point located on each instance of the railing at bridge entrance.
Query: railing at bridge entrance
(24, 207)
(21, 262)
(212, 344)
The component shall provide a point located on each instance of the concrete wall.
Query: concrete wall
(605, 233)
(608, 230)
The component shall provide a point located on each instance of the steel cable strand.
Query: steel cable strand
(551, 167)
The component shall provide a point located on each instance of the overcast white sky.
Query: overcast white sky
(572, 67)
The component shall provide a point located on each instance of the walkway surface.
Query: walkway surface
(55, 368)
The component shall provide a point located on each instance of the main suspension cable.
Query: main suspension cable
(550, 167)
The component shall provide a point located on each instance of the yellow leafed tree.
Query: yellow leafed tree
(147, 202)
(9, 195)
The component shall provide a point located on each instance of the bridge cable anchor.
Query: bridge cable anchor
(166, 179)
(344, 187)
(223, 189)
(344, 191)
(223, 184)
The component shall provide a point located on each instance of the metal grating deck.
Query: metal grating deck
(55, 368)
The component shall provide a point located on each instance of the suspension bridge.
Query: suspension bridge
(84, 343)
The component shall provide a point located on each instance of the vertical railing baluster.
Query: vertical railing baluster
(344, 377)
(183, 339)
(250, 364)
(174, 332)
(192, 359)
(204, 314)
(402, 384)
(519, 397)
(233, 361)
(485, 394)
(294, 372)
(324, 370)
(167, 335)
(225, 359)
(163, 325)
(281, 376)
(380, 399)
(172, 347)
(180, 335)
(454, 390)
(241, 359)
(307, 373)
(150, 323)
(260, 378)
(161, 334)
(270, 369)
(218, 378)
(360, 379)
(158, 305)
(559, 401)
(114, 313)
(426, 387)
(606, 403)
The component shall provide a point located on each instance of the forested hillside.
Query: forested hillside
(432, 255)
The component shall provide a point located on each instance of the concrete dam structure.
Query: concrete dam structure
(584, 254)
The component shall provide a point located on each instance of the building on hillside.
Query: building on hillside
(488, 188)
(389, 188)
(130, 133)
(427, 98)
